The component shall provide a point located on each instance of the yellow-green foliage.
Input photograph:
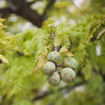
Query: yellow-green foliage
(26, 53)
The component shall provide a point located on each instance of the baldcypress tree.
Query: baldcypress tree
(76, 54)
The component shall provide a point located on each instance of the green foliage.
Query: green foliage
(93, 93)
(21, 78)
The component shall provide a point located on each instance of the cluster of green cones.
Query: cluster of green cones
(51, 68)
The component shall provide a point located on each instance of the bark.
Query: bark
(22, 8)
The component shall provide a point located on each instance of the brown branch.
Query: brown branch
(21, 8)
(66, 89)
(4, 12)
(30, 15)
(95, 37)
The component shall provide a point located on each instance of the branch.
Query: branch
(98, 35)
(21, 8)
(4, 12)
(30, 15)
(0, 61)
(55, 48)
(49, 5)
(66, 89)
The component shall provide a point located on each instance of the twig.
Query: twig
(20, 53)
(21, 8)
(55, 48)
(98, 35)
(47, 93)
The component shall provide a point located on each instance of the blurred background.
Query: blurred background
(19, 13)
(89, 87)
